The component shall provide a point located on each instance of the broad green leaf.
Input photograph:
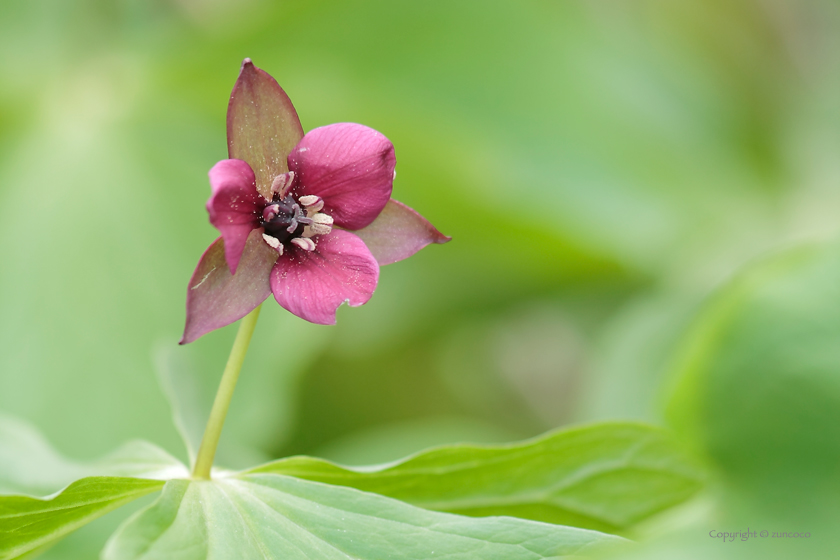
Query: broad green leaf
(606, 476)
(29, 464)
(27, 523)
(264, 516)
(759, 389)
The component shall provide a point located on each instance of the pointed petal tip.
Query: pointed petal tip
(262, 125)
(189, 335)
(216, 298)
(247, 66)
(399, 232)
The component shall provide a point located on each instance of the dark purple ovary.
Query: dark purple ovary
(284, 220)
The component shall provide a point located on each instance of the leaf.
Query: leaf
(29, 465)
(605, 476)
(759, 390)
(27, 523)
(263, 516)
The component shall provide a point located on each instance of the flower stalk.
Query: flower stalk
(210, 440)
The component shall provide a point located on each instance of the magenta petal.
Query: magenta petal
(262, 125)
(313, 285)
(399, 232)
(216, 298)
(350, 166)
(235, 206)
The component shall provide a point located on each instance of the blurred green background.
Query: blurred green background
(603, 167)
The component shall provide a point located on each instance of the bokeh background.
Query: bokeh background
(605, 169)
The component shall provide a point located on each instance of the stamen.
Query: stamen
(311, 203)
(321, 224)
(281, 184)
(270, 212)
(323, 219)
(309, 200)
(285, 220)
(304, 243)
(273, 242)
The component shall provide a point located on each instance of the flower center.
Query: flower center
(285, 220)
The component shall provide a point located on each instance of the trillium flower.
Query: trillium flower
(307, 218)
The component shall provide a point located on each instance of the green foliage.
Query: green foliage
(259, 516)
(608, 475)
(607, 163)
(760, 390)
(30, 465)
(604, 477)
(81, 491)
(27, 524)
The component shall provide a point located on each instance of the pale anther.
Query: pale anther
(282, 183)
(323, 219)
(311, 203)
(270, 212)
(273, 242)
(304, 243)
(321, 224)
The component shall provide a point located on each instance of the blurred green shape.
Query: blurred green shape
(29, 464)
(184, 391)
(263, 516)
(759, 392)
(634, 355)
(260, 415)
(605, 476)
(29, 523)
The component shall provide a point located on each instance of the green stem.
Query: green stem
(207, 451)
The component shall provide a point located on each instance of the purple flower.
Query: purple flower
(308, 218)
